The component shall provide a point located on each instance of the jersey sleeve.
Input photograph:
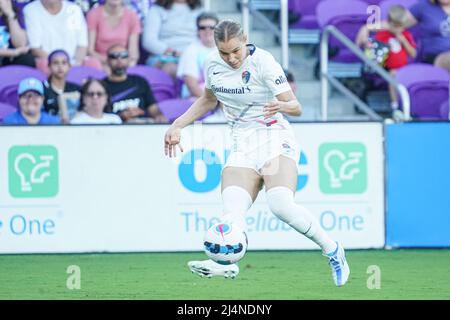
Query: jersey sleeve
(273, 75)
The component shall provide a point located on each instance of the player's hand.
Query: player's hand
(271, 108)
(171, 140)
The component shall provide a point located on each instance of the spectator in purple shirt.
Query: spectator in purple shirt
(31, 98)
(433, 20)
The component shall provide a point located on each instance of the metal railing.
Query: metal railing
(326, 78)
(284, 26)
(246, 17)
(282, 32)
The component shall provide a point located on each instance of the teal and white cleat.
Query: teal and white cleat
(209, 269)
(339, 266)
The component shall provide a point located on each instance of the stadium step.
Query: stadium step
(308, 90)
(232, 15)
(340, 108)
(262, 39)
(219, 6)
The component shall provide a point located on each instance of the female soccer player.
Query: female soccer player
(255, 93)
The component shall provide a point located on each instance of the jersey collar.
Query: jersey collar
(251, 48)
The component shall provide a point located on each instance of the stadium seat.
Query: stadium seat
(173, 108)
(428, 87)
(348, 16)
(6, 109)
(307, 11)
(306, 30)
(13, 74)
(373, 1)
(8, 95)
(444, 111)
(265, 4)
(79, 74)
(162, 84)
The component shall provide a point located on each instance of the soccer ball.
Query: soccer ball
(225, 243)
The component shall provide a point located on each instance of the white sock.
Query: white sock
(281, 202)
(236, 202)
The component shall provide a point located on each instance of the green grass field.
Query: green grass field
(405, 274)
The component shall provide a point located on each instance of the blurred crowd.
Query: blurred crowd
(53, 36)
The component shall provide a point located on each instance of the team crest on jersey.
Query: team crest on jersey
(245, 77)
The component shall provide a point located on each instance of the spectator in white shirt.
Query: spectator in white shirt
(192, 61)
(53, 25)
(94, 101)
(169, 29)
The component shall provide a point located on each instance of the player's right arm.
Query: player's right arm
(201, 106)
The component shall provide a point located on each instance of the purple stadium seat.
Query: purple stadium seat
(428, 87)
(444, 111)
(79, 74)
(162, 84)
(307, 11)
(173, 108)
(6, 109)
(162, 93)
(8, 95)
(13, 74)
(372, 2)
(348, 16)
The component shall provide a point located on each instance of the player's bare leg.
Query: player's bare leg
(280, 178)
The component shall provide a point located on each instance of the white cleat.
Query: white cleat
(209, 269)
(339, 266)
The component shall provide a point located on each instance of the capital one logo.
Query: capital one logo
(33, 171)
(342, 168)
(212, 170)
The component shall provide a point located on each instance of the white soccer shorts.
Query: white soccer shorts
(255, 149)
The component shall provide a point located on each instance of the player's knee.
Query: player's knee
(280, 201)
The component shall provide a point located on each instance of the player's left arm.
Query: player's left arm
(286, 103)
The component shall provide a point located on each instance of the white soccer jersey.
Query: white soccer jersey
(246, 90)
